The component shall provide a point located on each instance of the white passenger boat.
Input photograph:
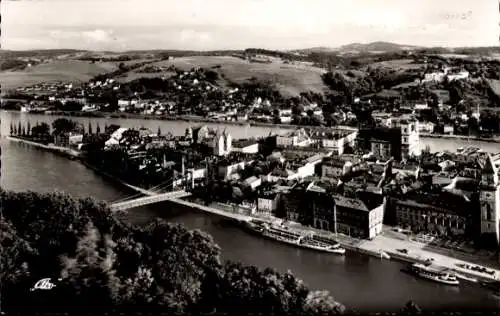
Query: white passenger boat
(435, 274)
(33, 109)
(310, 243)
(283, 234)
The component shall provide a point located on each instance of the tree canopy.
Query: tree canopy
(62, 125)
(104, 264)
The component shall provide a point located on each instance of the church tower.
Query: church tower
(490, 200)
(228, 142)
(219, 143)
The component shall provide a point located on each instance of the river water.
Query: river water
(237, 131)
(360, 282)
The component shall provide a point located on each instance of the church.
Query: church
(219, 141)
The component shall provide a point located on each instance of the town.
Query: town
(446, 95)
(260, 158)
(348, 171)
(341, 179)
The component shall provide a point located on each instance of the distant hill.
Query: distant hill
(38, 53)
(358, 48)
(313, 50)
(374, 47)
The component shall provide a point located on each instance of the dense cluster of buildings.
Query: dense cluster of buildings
(319, 184)
(337, 179)
(446, 73)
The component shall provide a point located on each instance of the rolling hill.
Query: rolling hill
(358, 48)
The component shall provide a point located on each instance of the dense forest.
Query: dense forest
(99, 263)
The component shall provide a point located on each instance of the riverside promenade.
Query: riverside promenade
(417, 252)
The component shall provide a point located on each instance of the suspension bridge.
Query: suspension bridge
(152, 195)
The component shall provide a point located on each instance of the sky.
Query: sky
(237, 24)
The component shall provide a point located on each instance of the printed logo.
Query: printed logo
(44, 284)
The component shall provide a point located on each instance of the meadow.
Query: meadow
(290, 79)
(57, 70)
(397, 64)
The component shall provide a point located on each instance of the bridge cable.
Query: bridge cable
(137, 195)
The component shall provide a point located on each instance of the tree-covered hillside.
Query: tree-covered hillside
(106, 265)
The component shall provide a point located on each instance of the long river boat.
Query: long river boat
(285, 235)
(436, 274)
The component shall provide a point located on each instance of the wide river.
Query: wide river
(361, 282)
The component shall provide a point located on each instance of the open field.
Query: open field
(397, 64)
(57, 70)
(289, 79)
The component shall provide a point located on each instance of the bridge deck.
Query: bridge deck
(121, 206)
(208, 209)
(176, 197)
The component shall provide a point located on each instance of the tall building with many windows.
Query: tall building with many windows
(490, 200)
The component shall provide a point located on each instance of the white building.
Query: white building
(253, 182)
(459, 75)
(410, 140)
(267, 203)
(425, 127)
(225, 170)
(222, 143)
(298, 138)
(247, 146)
(115, 138)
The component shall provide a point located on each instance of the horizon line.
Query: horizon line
(415, 47)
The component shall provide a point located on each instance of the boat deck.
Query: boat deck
(437, 269)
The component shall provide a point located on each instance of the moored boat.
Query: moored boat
(436, 274)
(285, 235)
(33, 109)
(310, 243)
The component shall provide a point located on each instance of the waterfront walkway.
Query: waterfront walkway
(417, 252)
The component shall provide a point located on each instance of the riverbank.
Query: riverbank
(417, 252)
(382, 244)
(494, 139)
(198, 119)
(63, 151)
(76, 155)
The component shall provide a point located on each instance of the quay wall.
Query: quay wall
(64, 151)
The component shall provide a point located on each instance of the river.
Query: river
(237, 131)
(361, 282)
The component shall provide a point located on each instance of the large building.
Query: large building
(297, 138)
(332, 138)
(400, 140)
(469, 205)
(440, 213)
(219, 141)
(314, 205)
(490, 200)
(359, 218)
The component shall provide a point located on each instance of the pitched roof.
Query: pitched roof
(488, 165)
(350, 203)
